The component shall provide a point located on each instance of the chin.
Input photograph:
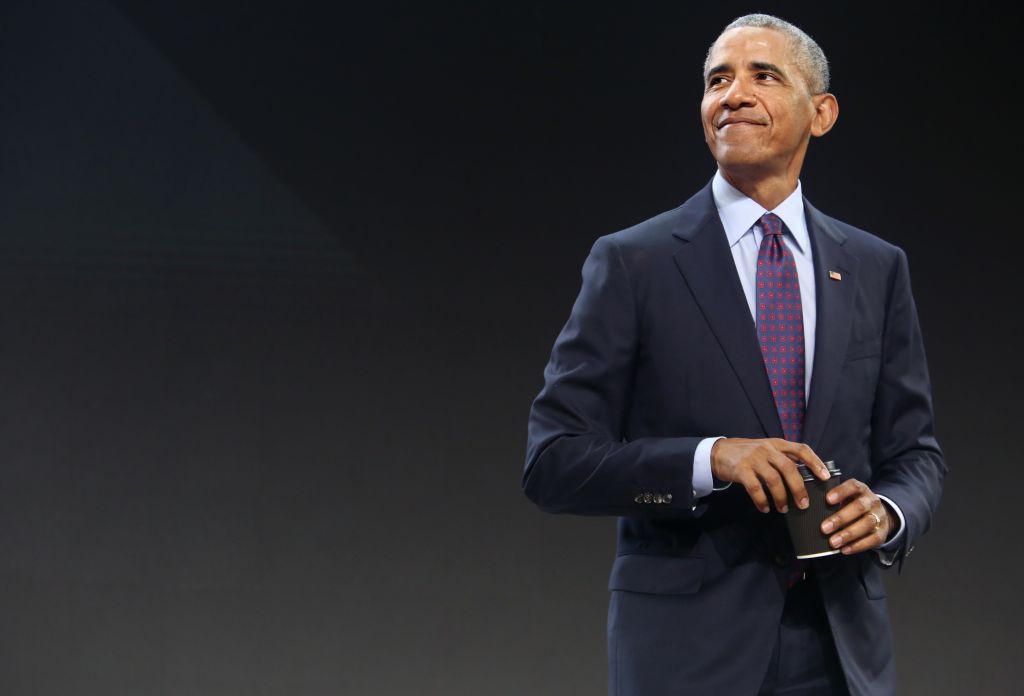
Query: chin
(739, 157)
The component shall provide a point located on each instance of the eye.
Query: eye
(715, 81)
(765, 77)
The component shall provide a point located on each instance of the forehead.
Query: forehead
(752, 44)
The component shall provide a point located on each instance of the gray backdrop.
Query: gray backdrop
(278, 281)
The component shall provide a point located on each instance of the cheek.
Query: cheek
(709, 137)
(794, 120)
(706, 118)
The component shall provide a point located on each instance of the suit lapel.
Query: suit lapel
(834, 314)
(710, 272)
(701, 261)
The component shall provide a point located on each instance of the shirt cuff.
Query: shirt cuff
(703, 481)
(887, 551)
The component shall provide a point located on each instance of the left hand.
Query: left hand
(853, 527)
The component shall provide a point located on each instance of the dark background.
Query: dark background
(278, 281)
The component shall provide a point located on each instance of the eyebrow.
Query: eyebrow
(768, 67)
(756, 65)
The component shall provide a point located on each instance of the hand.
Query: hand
(771, 462)
(853, 528)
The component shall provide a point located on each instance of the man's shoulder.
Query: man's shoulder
(650, 232)
(856, 240)
(662, 230)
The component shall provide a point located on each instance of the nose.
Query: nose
(738, 95)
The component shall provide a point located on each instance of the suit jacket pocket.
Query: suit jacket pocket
(663, 575)
(863, 349)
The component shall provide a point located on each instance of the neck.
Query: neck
(768, 192)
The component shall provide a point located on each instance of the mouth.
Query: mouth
(724, 123)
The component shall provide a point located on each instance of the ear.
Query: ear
(826, 111)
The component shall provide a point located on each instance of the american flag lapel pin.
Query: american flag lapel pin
(835, 275)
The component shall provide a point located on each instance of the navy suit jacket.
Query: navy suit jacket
(660, 351)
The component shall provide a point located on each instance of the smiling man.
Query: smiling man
(713, 348)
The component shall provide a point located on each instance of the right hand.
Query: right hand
(769, 461)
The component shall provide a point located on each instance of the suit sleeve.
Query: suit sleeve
(577, 459)
(909, 465)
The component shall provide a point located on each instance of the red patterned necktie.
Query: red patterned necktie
(780, 330)
(780, 325)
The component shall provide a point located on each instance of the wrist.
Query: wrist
(892, 521)
(715, 481)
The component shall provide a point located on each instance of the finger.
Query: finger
(754, 489)
(858, 529)
(805, 454)
(849, 513)
(791, 477)
(872, 540)
(845, 490)
(776, 488)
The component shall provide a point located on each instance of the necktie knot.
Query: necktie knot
(771, 224)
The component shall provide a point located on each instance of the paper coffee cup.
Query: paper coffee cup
(805, 525)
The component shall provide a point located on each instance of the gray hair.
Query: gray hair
(809, 54)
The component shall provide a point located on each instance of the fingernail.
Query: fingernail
(831, 497)
(827, 527)
(784, 508)
(837, 540)
(847, 549)
(827, 474)
(804, 502)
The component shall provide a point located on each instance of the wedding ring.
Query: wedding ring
(878, 521)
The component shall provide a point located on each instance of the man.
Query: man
(712, 348)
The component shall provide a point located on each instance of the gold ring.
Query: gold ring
(878, 521)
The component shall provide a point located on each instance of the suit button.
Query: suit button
(639, 498)
(668, 497)
(658, 498)
(648, 497)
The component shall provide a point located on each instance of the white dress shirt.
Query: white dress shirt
(739, 215)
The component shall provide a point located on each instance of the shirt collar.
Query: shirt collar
(739, 212)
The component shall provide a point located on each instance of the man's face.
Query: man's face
(757, 111)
